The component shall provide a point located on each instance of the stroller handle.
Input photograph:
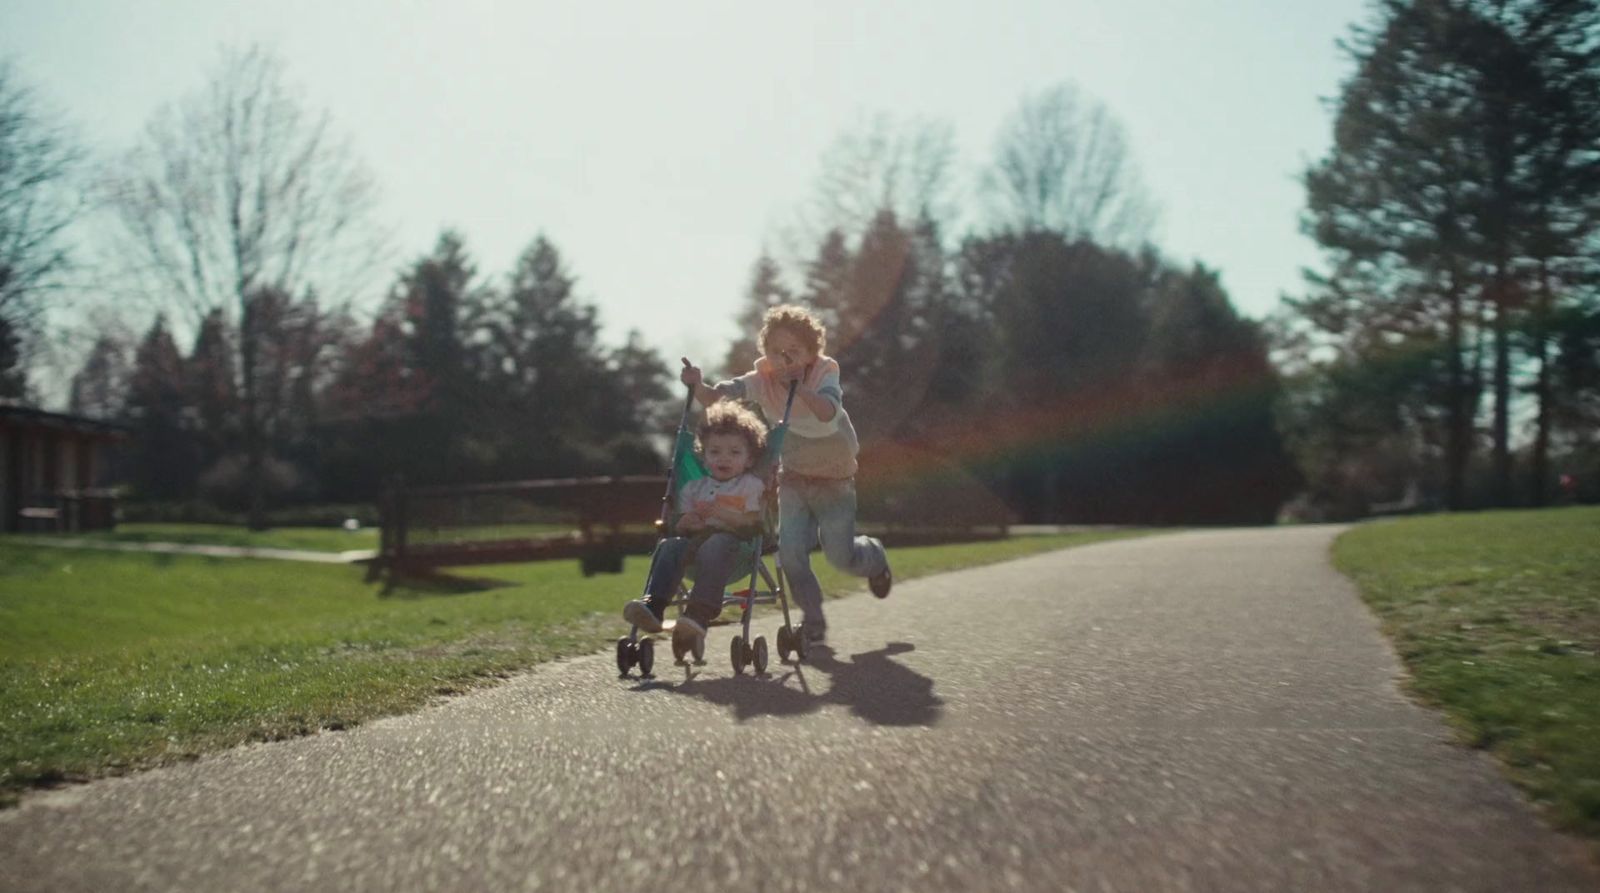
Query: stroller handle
(672, 463)
(789, 403)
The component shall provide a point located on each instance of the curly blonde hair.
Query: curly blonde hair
(800, 322)
(731, 418)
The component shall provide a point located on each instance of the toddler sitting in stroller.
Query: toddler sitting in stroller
(716, 517)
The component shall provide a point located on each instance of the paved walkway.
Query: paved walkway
(1203, 711)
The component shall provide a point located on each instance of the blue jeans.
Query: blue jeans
(714, 555)
(812, 509)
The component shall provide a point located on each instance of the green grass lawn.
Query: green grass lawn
(111, 660)
(1497, 616)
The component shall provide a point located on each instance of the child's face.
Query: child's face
(788, 354)
(727, 456)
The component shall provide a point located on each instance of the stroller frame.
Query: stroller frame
(638, 650)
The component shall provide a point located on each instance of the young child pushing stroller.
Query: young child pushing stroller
(817, 489)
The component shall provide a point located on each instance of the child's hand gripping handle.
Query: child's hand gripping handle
(692, 379)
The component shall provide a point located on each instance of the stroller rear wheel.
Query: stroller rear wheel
(738, 653)
(759, 655)
(645, 654)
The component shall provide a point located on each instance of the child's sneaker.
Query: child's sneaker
(880, 582)
(642, 614)
(688, 637)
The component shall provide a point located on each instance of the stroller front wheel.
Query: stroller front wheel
(625, 656)
(760, 655)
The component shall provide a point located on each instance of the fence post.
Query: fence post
(401, 517)
(391, 537)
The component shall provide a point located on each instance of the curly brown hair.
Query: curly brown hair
(800, 322)
(731, 418)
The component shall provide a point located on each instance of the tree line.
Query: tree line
(1453, 349)
(457, 379)
(998, 369)
(1049, 358)
(242, 225)
(1077, 382)
(1044, 358)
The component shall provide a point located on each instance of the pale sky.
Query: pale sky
(661, 146)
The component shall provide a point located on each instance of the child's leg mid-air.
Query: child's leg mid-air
(810, 509)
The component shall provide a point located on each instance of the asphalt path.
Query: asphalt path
(1202, 711)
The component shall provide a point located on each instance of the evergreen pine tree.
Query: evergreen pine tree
(210, 389)
(162, 463)
(99, 389)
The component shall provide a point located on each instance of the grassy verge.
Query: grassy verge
(112, 660)
(1497, 616)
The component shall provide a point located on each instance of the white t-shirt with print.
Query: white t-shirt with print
(741, 494)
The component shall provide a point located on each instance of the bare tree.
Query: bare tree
(881, 164)
(37, 203)
(1062, 164)
(237, 188)
(884, 165)
(236, 192)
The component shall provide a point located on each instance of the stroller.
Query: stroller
(635, 650)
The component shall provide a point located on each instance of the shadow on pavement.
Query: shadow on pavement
(872, 685)
(881, 690)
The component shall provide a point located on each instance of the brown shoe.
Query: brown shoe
(640, 613)
(881, 582)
